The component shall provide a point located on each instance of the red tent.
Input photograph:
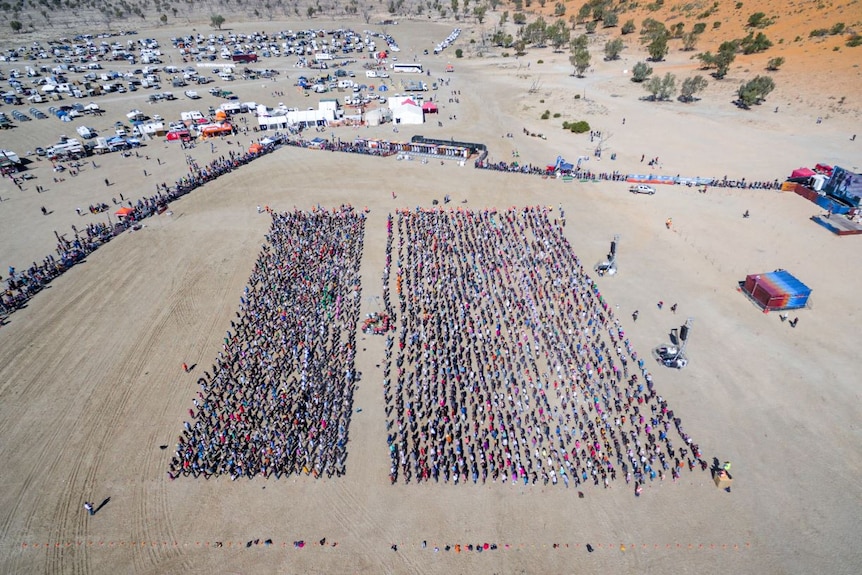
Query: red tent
(823, 169)
(802, 173)
(124, 212)
(178, 135)
(429, 108)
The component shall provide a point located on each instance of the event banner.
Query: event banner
(845, 186)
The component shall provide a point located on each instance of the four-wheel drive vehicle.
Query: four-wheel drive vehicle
(642, 189)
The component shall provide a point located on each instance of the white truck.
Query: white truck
(642, 189)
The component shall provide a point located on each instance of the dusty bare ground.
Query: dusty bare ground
(91, 383)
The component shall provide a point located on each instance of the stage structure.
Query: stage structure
(778, 290)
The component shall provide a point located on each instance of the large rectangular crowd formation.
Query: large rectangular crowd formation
(509, 365)
(505, 363)
(280, 396)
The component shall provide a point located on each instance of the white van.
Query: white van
(226, 76)
(370, 74)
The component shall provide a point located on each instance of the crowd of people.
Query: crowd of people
(279, 399)
(615, 176)
(359, 147)
(21, 286)
(509, 365)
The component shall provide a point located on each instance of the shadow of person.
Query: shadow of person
(102, 504)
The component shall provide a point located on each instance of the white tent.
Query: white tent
(378, 116)
(406, 110)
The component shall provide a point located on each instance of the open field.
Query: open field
(91, 383)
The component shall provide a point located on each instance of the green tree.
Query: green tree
(584, 12)
(479, 13)
(163, 19)
(591, 27)
(536, 32)
(559, 34)
(16, 26)
(459, 53)
(662, 88)
(580, 57)
(658, 47)
(691, 86)
(752, 44)
(689, 40)
(613, 48)
(216, 21)
(519, 46)
(641, 72)
(579, 42)
(610, 19)
(598, 9)
(774, 63)
(755, 91)
(725, 57)
(628, 27)
(559, 9)
(519, 18)
(650, 28)
(720, 61)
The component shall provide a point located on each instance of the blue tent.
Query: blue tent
(562, 165)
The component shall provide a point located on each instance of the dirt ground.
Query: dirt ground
(91, 383)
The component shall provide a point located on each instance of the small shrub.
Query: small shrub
(699, 28)
(542, 101)
(818, 33)
(577, 96)
(738, 5)
(716, 25)
(628, 27)
(855, 40)
(774, 63)
(837, 29)
(759, 20)
(557, 114)
(459, 53)
(505, 54)
(546, 114)
(591, 27)
(540, 61)
(578, 127)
